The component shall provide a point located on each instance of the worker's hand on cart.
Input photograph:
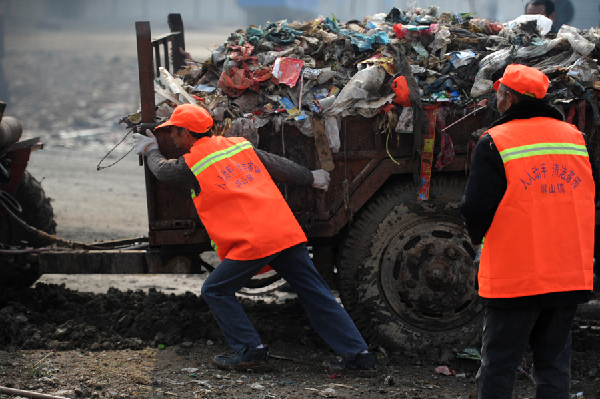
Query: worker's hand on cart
(142, 145)
(322, 179)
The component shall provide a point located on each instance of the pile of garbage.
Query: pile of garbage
(393, 63)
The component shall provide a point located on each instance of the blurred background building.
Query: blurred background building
(60, 14)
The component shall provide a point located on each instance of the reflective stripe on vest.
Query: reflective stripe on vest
(543, 149)
(217, 156)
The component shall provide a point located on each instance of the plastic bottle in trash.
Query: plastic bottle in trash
(478, 255)
(458, 18)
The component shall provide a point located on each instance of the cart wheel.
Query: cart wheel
(406, 270)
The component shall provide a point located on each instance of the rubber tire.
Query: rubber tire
(37, 210)
(361, 256)
(23, 271)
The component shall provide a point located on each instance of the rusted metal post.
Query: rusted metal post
(176, 25)
(165, 44)
(145, 64)
(146, 76)
(158, 63)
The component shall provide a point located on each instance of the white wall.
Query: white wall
(587, 14)
(209, 13)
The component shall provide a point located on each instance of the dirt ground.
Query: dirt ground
(153, 344)
(148, 337)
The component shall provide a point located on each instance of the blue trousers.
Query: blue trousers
(327, 316)
(506, 332)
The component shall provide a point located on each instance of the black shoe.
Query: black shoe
(361, 362)
(245, 358)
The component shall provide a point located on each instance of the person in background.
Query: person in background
(250, 226)
(530, 202)
(542, 7)
(546, 8)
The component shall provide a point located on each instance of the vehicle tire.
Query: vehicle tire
(37, 210)
(21, 271)
(406, 269)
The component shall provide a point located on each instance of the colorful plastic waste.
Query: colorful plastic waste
(292, 72)
(444, 370)
(469, 353)
(400, 88)
(287, 70)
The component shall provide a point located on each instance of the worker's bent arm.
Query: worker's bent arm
(176, 171)
(283, 170)
(173, 171)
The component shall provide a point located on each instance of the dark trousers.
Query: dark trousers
(326, 315)
(506, 332)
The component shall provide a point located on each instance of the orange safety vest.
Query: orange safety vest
(542, 236)
(241, 208)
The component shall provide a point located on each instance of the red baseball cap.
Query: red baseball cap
(193, 117)
(525, 80)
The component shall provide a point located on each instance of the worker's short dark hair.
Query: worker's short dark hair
(520, 97)
(549, 8)
(197, 135)
(200, 135)
(194, 134)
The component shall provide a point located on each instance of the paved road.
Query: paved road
(92, 205)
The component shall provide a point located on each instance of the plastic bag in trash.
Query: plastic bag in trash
(369, 109)
(405, 121)
(376, 20)
(326, 103)
(544, 24)
(304, 125)
(364, 84)
(577, 42)
(235, 82)
(584, 70)
(246, 128)
(365, 42)
(332, 130)
(442, 39)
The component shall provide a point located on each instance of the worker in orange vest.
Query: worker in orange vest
(250, 225)
(530, 199)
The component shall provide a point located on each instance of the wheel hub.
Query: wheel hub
(427, 275)
(438, 274)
